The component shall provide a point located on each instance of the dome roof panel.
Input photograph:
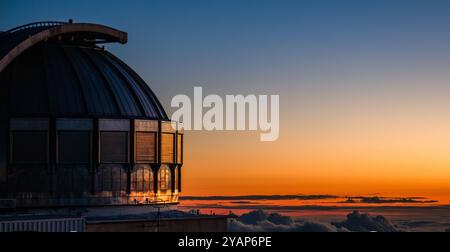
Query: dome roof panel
(66, 80)
(98, 96)
(65, 93)
(69, 75)
(151, 107)
(124, 97)
(28, 91)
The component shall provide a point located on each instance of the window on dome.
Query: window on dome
(142, 179)
(113, 147)
(167, 147)
(74, 147)
(145, 146)
(164, 180)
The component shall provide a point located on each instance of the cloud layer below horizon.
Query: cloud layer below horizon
(261, 221)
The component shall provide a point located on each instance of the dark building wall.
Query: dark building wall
(206, 224)
(3, 134)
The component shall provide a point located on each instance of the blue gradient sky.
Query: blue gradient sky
(364, 85)
(271, 46)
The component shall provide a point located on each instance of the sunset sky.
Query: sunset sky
(364, 87)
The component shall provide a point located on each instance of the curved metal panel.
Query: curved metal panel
(76, 86)
(147, 105)
(28, 88)
(125, 100)
(64, 91)
(38, 35)
(95, 89)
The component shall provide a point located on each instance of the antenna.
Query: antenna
(158, 205)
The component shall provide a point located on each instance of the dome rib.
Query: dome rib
(111, 98)
(161, 113)
(82, 98)
(128, 83)
(51, 89)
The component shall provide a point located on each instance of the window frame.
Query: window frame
(134, 179)
(180, 150)
(127, 159)
(91, 142)
(155, 150)
(173, 161)
(11, 147)
(176, 173)
(169, 177)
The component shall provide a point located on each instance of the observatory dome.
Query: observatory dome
(78, 126)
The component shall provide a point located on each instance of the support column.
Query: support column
(172, 177)
(179, 177)
(3, 156)
(157, 165)
(4, 136)
(132, 154)
(155, 170)
(52, 149)
(95, 158)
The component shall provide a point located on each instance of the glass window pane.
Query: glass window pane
(142, 179)
(164, 178)
(167, 143)
(74, 147)
(111, 178)
(29, 147)
(145, 146)
(114, 147)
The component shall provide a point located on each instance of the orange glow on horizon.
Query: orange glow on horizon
(399, 151)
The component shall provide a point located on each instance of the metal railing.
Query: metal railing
(28, 224)
(36, 25)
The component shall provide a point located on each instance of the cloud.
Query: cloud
(244, 202)
(359, 222)
(310, 226)
(237, 226)
(349, 199)
(347, 207)
(420, 223)
(261, 221)
(253, 217)
(262, 197)
(280, 219)
(267, 226)
(384, 200)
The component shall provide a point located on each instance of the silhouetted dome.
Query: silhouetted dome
(78, 127)
(60, 77)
